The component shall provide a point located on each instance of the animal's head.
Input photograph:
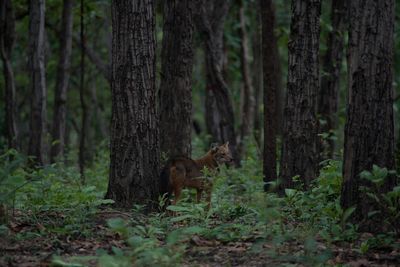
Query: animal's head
(221, 153)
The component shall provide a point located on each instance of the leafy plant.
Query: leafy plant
(387, 204)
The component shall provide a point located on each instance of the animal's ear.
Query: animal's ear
(226, 144)
(214, 147)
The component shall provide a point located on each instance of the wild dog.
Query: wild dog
(181, 172)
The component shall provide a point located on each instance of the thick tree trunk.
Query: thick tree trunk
(62, 83)
(280, 90)
(7, 37)
(369, 130)
(176, 78)
(219, 110)
(272, 86)
(247, 118)
(332, 62)
(37, 142)
(134, 168)
(299, 147)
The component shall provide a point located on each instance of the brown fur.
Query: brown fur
(184, 172)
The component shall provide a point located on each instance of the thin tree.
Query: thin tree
(332, 63)
(7, 37)
(369, 130)
(210, 19)
(271, 82)
(84, 121)
(248, 102)
(257, 72)
(62, 82)
(37, 143)
(176, 78)
(299, 147)
(134, 168)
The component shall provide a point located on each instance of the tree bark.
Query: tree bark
(37, 143)
(369, 130)
(332, 62)
(7, 38)
(248, 104)
(272, 85)
(134, 168)
(84, 119)
(176, 78)
(299, 147)
(210, 20)
(62, 82)
(257, 73)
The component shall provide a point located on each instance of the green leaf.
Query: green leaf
(194, 230)
(290, 192)
(117, 251)
(182, 218)
(372, 213)
(135, 241)
(58, 262)
(116, 223)
(347, 213)
(89, 189)
(108, 261)
(364, 247)
(178, 208)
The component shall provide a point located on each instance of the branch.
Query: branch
(103, 67)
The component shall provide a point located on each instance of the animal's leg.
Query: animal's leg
(177, 193)
(198, 184)
(177, 181)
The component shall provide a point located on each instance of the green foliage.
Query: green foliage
(386, 202)
(240, 212)
(12, 175)
(319, 207)
(52, 196)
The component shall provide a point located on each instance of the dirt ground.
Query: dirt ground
(39, 249)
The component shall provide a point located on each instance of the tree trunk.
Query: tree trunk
(62, 83)
(37, 143)
(272, 86)
(369, 130)
(84, 121)
(7, 37)
(257, 73)
(176, 78)
(219, 110)
(247, 118)
(332, 62)
(280, 90)
(299, 147)
(134, 168)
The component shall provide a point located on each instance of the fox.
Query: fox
(183, 172)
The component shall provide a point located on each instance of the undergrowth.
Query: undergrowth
(299, 227)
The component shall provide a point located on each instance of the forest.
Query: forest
(199, 133)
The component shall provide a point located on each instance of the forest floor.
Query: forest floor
(29, 244)
(55, 220)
